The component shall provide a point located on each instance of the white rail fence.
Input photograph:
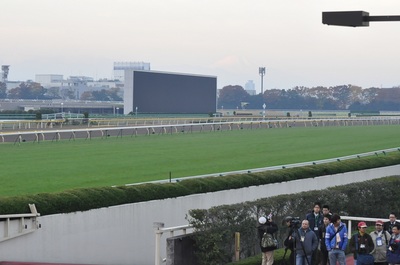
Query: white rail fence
(164, 126)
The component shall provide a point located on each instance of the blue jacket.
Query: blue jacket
(330, 239)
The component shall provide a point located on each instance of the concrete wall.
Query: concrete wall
(124, 234)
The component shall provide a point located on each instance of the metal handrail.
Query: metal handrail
(22, 228)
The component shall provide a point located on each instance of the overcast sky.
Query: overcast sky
(229, 39)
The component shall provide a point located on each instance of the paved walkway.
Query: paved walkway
(349, 259)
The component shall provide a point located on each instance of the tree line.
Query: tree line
(33, 90)
(343, 97)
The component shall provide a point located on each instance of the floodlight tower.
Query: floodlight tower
(261, 72)
(4, 75)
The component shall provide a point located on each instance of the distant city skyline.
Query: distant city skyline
(229, 39)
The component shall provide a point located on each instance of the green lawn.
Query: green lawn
(54, 166)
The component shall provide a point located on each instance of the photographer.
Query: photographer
(288, 243)
(267, 229)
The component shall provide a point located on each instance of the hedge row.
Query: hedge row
(83, 199)
(216, 226)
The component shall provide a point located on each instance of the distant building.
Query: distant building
(162, 92)
(120, 67)
(12, 84)
(75, 86)
(250, 88)
(49, 80)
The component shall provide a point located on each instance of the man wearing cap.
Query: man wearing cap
(361, 245)
(266, 226)
(381, 240)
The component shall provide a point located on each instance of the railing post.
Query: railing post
(349, 228)
(157, 226)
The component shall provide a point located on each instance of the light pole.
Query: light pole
(62, 109)
(136, 111)
(117, 111)
(261, 72)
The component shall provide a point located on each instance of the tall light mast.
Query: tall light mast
(261, 71)
(4, 74)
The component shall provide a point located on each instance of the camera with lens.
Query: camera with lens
(295, 222)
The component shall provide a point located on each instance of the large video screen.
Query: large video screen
(157, 92)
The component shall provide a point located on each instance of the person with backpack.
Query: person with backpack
(266, 230)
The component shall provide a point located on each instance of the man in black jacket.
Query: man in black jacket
(361, 244)
(322, 232)
(387, 226)
(316, 220)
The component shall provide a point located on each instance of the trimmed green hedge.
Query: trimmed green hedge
(375, 199)
(91, 198)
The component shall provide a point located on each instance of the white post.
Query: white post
(159, 233)
(264, 106)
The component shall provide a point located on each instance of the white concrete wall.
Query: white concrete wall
(124, 234)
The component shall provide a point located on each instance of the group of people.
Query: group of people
(322, 238)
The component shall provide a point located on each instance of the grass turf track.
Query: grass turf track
(55, 166)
